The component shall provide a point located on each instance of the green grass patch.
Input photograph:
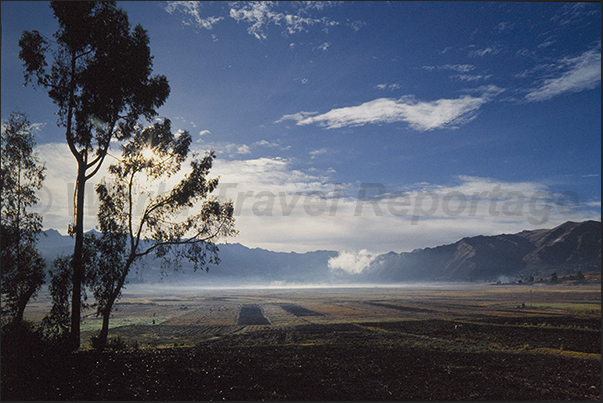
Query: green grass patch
(578, 307)
(574, 354)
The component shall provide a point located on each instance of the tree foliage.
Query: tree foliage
(134, 221)
(100, 79)
(21, 176)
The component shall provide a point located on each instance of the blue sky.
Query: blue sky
(350, 104)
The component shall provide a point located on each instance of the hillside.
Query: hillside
(565, 249)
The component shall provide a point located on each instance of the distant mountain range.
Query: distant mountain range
(564, 249)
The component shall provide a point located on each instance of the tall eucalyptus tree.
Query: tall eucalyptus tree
(100, 80)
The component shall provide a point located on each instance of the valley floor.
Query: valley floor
(476, 342)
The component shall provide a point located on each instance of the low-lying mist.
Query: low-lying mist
(188, 288)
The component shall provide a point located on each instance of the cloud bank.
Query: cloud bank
(281, 208)
(352, 262)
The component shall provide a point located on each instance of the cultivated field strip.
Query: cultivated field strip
(167, 320)
(299, 311)
(251, 314)
(403, 308)
(278, 317)
(214, 315)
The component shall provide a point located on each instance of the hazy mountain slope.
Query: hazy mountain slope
(52, 244)
(573, 246)
(567, 248)
(238, 264)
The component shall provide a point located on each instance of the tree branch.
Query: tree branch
(130, 208)
(98, 166)
(189, 241)
(84, 54)
(104, 149)
(77, 154)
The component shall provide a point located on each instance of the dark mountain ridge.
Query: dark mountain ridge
(565, 249)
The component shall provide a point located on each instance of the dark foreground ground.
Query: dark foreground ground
(402, 360)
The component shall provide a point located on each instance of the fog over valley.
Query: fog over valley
(565, 249)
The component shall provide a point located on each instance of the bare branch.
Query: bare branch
(188, 241)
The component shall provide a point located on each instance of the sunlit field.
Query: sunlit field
(165, 316)
(473, 341)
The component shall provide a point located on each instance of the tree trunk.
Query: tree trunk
(22, 304)
(104, 332)
(78, 263)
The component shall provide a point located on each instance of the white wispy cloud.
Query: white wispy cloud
(461, 68)
(296, 116)
(265, 143)
(357, 25)
(490, 50)
(471, 77)
(420, 115)
(276, 145)
(318, 5)
(315, 153)
(504, 26)
(295, 17)
(222, 149)
(578, 74)
(260, 14)
(265, 174)
(37, 127)
(244, 149)
(232, 149)
(192, 10)
(391, 87)
(547, 42)
(574, 13)
(324, 47)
